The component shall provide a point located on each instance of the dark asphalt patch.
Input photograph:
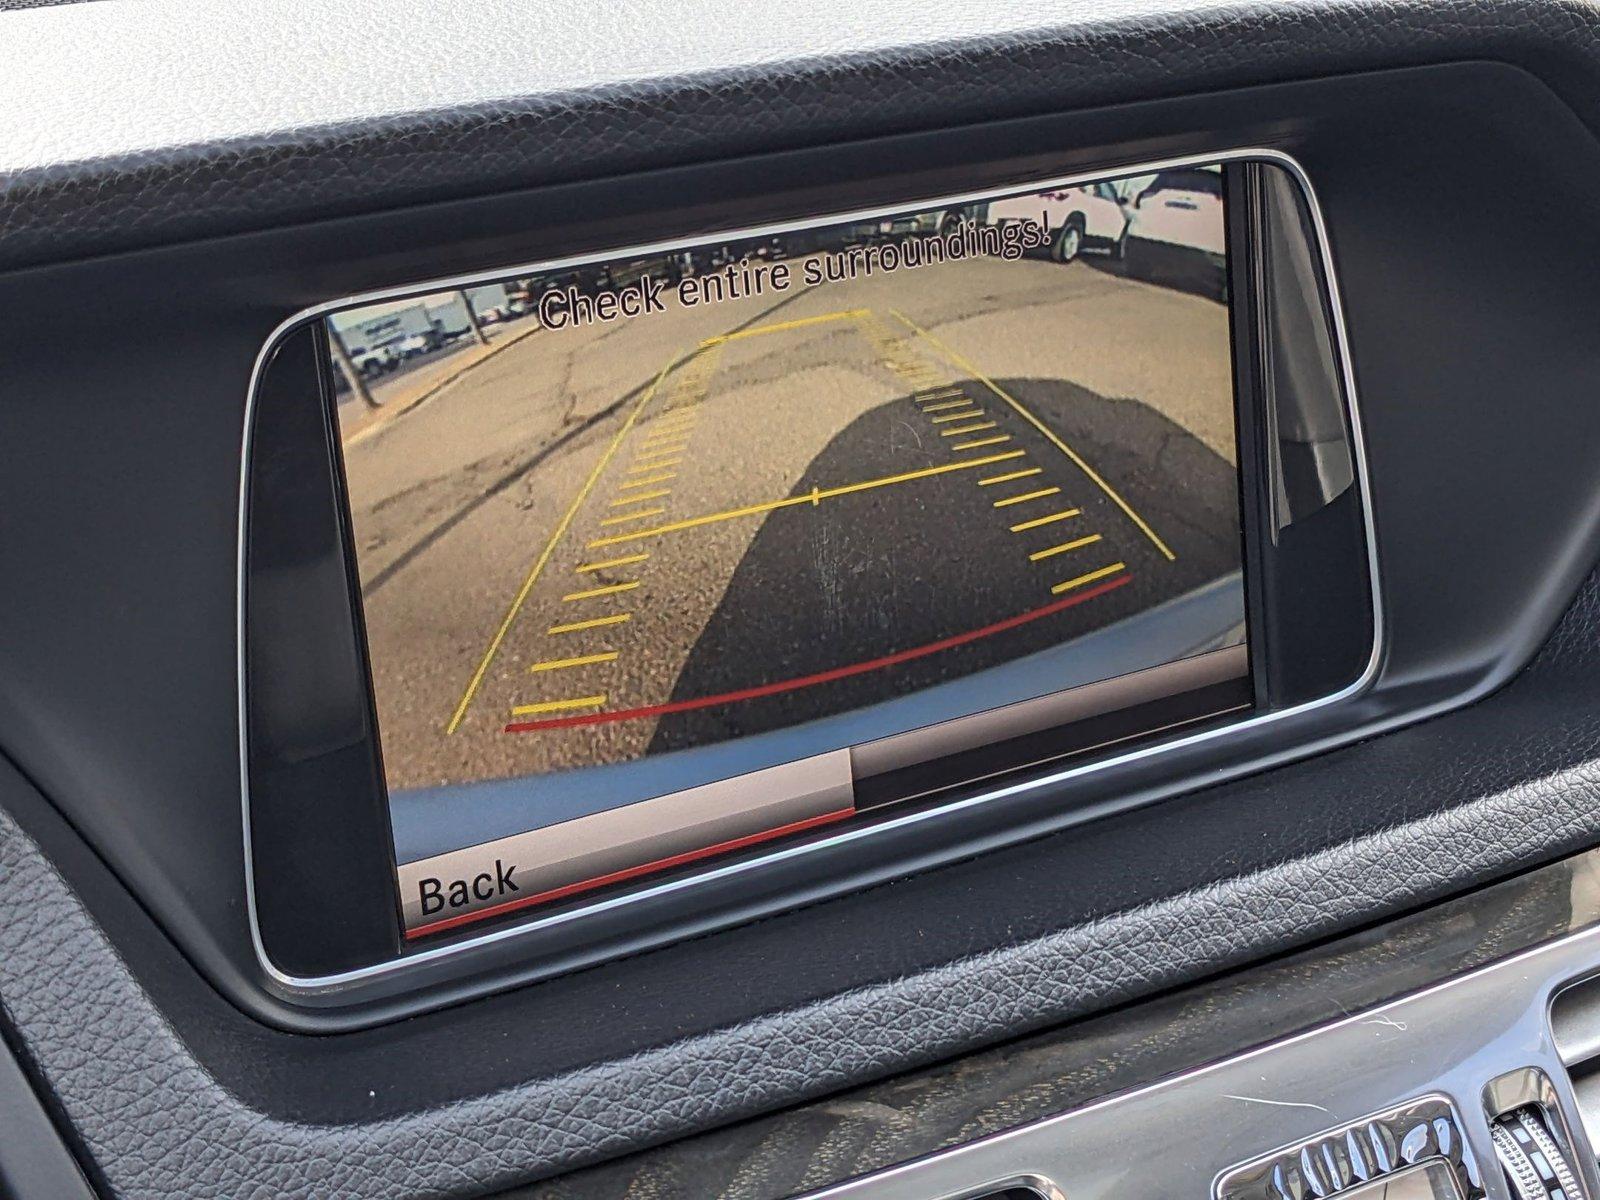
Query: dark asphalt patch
(914, 563)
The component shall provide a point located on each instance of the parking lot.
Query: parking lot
(804, 505)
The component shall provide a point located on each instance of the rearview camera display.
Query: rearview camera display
(670, 556)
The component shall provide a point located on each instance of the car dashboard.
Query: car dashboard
(822, 601)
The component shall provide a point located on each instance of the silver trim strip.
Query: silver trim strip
(1183, 1136)
(309, 986)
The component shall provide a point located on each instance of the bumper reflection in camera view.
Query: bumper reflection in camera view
(714, 512)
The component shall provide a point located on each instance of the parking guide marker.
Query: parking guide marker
(582, 660)
(813, 497)
(640, 498)
(1077, 544)
(1010, 475)
(550, 706)
(1026, 496)
(1115, 497)
(1038, 521)
(962, 408)
(1070, 584)
(842, 672)
(649, 452)
(633, 483)
(584, 568)
(781, 326)
(610, 589)
(622, 518)
(550, 545)
(591, 623)
(668, 434)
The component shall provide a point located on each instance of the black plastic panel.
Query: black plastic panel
(318, 847)
(320, 824)
(1314, 625)
(104, 624)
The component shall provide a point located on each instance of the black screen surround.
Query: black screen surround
(1474, 360)
(327, 911)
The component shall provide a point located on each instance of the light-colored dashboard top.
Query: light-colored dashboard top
(290, 68)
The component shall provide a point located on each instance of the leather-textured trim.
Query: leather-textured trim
(1067, 1067)
(136, 122)
(160, 1125)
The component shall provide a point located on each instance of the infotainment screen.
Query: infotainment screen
(700, 549)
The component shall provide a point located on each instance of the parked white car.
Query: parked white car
(1079, 218)
(379, 360)
(1182, 207)
(415, 344)
(1178, 237)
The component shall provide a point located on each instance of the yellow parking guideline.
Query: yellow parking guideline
(550, 546)
(633, 483)
(671, 432)
(1026, 496)
(642, 496)
(592, 623)
(549, 706)
(961, 403)
(1010, 475)
(813, 497)
(621, 518)
(1070, 584)
(959, 430)
(654, 466)
(649, 452)
(937, 393)
(582, 660)
(1038, 521)
(994, 441)
(960, 416)
(613, 562)
(1049, 433)
(610, 589)
(657, 441)
(1064, 547)
(781, 326)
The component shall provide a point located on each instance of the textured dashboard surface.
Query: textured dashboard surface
(265, 115)
(896, 1120)
(159, 1124)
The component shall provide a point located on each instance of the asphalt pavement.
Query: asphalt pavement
(710, 522)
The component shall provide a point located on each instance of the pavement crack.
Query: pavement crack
(521, 467)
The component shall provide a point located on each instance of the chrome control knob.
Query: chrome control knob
(1536, 1167)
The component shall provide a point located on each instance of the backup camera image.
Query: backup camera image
(634, 539)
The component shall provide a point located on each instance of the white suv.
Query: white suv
(1091, 216)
